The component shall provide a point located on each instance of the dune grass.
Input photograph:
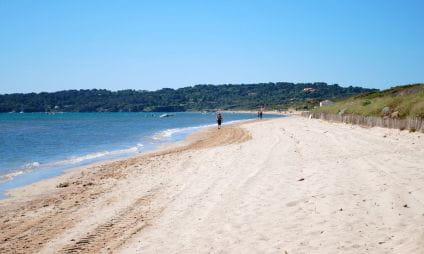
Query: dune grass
(407, 100)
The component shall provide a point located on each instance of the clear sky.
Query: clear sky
(63, 44)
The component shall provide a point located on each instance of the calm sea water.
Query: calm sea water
(34, 146)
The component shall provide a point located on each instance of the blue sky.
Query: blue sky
(56, 45)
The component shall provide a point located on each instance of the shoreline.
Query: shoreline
(15, 179)
(286, 184)
(80, 187)
(190, 141)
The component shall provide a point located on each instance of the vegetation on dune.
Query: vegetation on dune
(280, 95)
(396, 102)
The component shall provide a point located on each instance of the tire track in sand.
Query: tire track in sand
(115, 231)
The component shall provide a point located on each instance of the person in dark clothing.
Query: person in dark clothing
(219, 119)
(261, 112)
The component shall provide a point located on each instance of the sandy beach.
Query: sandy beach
(286, 185)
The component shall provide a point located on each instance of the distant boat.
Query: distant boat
(166, 115)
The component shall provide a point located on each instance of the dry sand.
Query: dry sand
(289, 185)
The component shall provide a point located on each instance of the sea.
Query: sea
(35, 146)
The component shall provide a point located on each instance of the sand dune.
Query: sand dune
(284, 185)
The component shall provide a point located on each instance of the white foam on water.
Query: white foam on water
(97, 155)
(31, 165)
(168, 133)
(139, 147)
(10, 176)
(69, 161)
(22, 170)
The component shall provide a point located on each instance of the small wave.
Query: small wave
(31, 165)
(161, 135)
(93, 156)
(10, 176)
(139, 147)
(69, 161)
(22, 170)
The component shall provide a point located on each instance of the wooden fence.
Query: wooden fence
(411, 124)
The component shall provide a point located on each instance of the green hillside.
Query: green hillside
(280, 95)
(400, 101)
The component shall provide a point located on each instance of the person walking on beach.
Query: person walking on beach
(261, 112)
(219, 119)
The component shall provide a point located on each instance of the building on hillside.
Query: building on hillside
(325, 103)
(309, 89)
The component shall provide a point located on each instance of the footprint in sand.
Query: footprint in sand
(292, 203)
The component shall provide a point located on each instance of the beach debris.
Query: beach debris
(301, 179)
(62, 185)
(406, 206)
(341, 209)
(88, 184)
(381, 242)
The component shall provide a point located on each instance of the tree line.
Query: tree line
(279, 95)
